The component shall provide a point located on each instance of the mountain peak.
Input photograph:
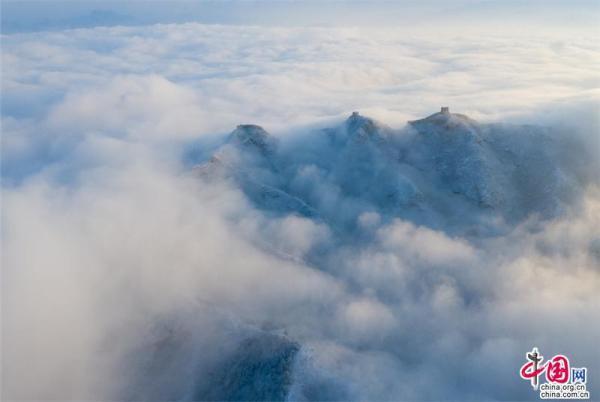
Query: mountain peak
(361, 125)
(445, 118)
(251, 135)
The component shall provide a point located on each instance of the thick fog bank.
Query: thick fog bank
(152, 249)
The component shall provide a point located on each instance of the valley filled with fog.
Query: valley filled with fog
(212, 212)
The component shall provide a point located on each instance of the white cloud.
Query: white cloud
(425, 244)
(107, 240)
(143, 107)
(366, 320)
(281, 77)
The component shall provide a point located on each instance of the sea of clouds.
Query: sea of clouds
(110, 246)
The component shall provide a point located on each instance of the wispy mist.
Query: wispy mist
(150, 254)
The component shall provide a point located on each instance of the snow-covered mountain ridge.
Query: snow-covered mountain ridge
(382, 244)
(428, 172)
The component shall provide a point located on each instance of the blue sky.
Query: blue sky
(26, 15)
